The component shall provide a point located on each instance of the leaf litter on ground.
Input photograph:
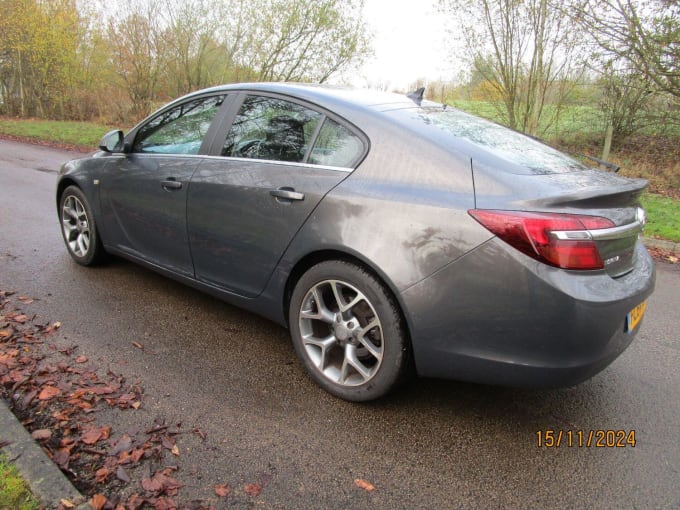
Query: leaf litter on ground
(54, 394)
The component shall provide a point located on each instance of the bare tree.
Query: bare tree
(139, 53)
(635, 52)
(644, 37)
(190, 41)
(295, 40)
(64, 58)
(526, 50)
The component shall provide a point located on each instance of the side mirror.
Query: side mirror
(113, 142)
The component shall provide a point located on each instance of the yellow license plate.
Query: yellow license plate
(635, 316)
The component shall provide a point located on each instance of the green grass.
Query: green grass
(14, 493)
(84, 134)
(663, 217)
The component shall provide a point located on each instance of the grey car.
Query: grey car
(391, 235)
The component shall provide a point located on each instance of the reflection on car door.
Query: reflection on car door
(144, 193)
(244, 208)
(144, 203)
(241, 221)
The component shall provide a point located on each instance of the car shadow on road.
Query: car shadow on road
(274, 376)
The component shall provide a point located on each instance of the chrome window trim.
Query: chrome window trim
(282, 163)
(120, 155)
(231, 158)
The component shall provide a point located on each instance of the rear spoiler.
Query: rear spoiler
(609, 166)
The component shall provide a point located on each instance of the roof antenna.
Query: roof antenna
(417, 95)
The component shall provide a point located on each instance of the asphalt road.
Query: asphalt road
(435, 444)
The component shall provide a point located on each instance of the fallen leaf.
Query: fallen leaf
(136, 405)
(25, 299)
(135, 502)
(164, 504)
(41, 434)
(122, 475)
(81, 359)
(101, 475)
(94, 434)
(53, 327)
(363, 484)
(97, 502)
(20, 318)
(125, 401)
(175, 451)
(124, 444)
(134, 456)
(48, 392)
(28, 398)
(138, 345)
(101, 390)
(67, 503)
(62, 457)
(252, 489)
(152, 485)
(223, 490)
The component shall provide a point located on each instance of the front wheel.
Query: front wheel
(78, 227)
(348, 331)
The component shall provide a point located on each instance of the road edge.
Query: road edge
(46, 481)
(662, 244)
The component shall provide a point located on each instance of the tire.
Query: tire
(348, 331)
(79, 228)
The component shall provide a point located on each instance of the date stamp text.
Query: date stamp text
(601, 438)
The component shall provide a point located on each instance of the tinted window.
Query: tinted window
(505, 143)
(271, 129)
(180, 130)
(336, 146)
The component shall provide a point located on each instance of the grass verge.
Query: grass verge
(663, 217)
(79, 134)
(14, 492)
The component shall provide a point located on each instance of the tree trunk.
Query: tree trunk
(607, 141)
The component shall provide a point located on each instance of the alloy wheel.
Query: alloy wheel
(341, 333)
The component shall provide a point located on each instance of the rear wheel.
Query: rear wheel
(348, 331)
(78, 227)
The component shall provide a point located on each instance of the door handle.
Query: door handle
(170, 183)
(287, 194)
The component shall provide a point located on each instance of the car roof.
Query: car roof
(322, 94)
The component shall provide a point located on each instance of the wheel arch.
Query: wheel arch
(64, 183)
(316, 257)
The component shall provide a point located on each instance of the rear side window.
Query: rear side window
(179, 130)
(271, 129)
(336, 146)
(514, 147)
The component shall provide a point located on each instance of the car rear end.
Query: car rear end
(558, 290)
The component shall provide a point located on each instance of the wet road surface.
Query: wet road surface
(434, 444)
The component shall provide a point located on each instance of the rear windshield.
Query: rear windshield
(500, 141)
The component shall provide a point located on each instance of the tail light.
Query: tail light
(560, 240)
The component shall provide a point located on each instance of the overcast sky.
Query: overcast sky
(409, 43)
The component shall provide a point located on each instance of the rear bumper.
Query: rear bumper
(496, 316)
